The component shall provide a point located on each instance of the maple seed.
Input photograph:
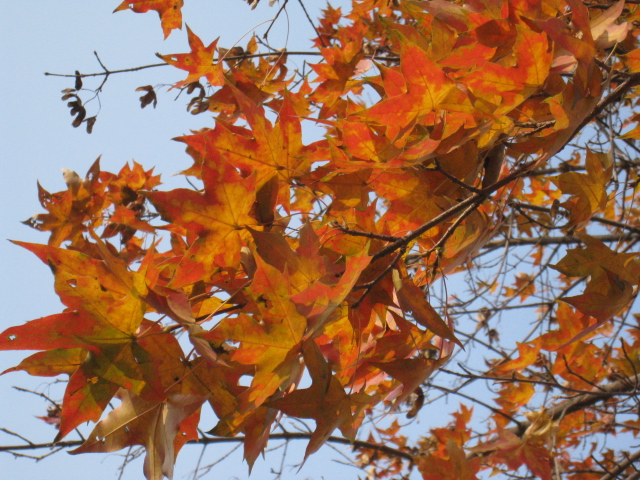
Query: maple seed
(78, 84)
(90, 122)
(149, 97)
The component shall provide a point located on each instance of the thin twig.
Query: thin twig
(266, 34)
(312, 24)
(359, 233)
(20, 389)
(9, 432)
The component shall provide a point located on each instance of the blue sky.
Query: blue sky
(37, 140)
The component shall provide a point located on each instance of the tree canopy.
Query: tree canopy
(439, 206)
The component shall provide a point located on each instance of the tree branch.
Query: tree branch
(622, 467)
(356, 444)
(623, 386)
(567, 240)
(579, 402)
(476, 199)
(595, 218)
(389, 58)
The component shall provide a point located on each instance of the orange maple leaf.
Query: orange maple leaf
(199, 63)
(218, 216)
(456, 467)
(270, 340)
(589, 189)
(514, 451)
(169, 10)
(71, 210)
(427, 87)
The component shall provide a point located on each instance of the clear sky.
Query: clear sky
(37, 140)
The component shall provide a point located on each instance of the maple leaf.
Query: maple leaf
(427, 87)
(320, 300)
(341, 62)
(633, 60)
(72, 210)
(411, 299)
(311, 277)
(325, 401)
(456, 16)
(605, 31)
(456, 467)
(514, 451)
(199, 63)
(590, 189)
(466, 241)
(410, 371)
(508, 86)
(128, 217)
(85, 398)
(169, 10)
(154, 425)
(218, 216)
(584, 261)
(570, 326)
(570, 109)
(610, 287)
(605, 296)
(527, 356)
(104, 317)
(303, 266)
(270, 340)
(277, 148)
(59, 206)
(275, 152)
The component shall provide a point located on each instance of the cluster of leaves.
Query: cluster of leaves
(318, 259)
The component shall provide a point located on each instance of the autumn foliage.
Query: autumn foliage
(481, 140)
